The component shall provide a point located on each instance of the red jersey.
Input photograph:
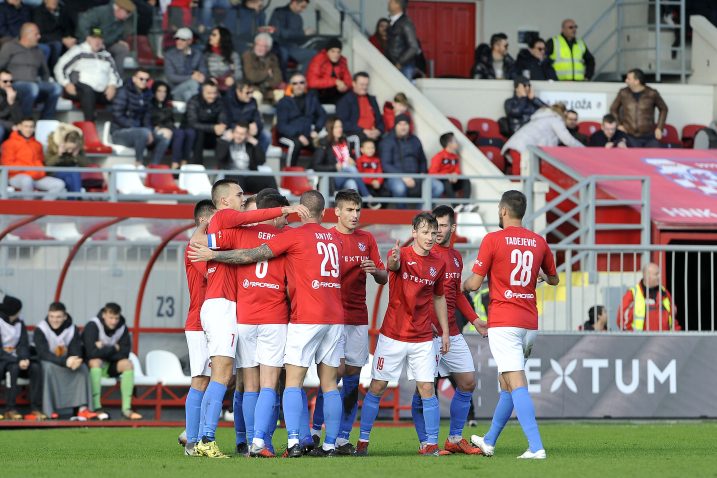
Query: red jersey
(197, 282)
(445, 163)
(369, 165)
(410, 296)
(452, 288)
(221, 278)
(512, 259)
(313, 272)
(356, 247)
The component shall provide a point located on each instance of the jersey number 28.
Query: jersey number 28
(330, 262)
(523, 261)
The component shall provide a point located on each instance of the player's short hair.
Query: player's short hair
(249, 201)
(348, 195)
(271, 200)
(424, 219)
(314, 201)
(265, 192)
(203, 208)
(515, 202)
(594, 312)
(111, 308)
(57, 307)
(444, 210)
(445, 139)
(220, 189)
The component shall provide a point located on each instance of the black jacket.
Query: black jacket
(537, 70)
(291, 122)
(324, 157)
(238, 112)
(161, 116)
(202, 115)
(289, 26)
(256, 157)
(9, 115)
(519, 110)
(130, 108)
(403, 155)
(42, 346)
(483, 64)
(347, 109)
(599, 139)
(53, 27)
(107, 353)
(22, 350)
(402, 43)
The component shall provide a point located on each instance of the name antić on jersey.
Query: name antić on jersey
(324, 236)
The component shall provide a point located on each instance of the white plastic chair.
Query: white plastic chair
(43, 130)
(63, 231)
(475, 231)
(117, 149)
(130, 182)
(196, 183)
(167, 368)
(139, 377)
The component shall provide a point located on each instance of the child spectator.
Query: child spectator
(447, 161)
(400, 106)
(65, 148)
(369, 163)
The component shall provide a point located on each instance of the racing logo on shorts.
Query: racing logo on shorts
(432, 271)
(315, 284)
(245, 283)
(455, 261)
(362, 246)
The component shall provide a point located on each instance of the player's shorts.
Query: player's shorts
(458, 359)
(219, 321)
(198, 353)
(261, 344)
(307, 344)
(511, 347)
(391, 356)
(354, 345)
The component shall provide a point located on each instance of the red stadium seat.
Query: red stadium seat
(515, 161)
(93, 181)
(296, 184)
(670, 137)
(485, 127)
(455, 122)
(688, 134)
(93, 144)
(163, 183)
(493, 153)
(588, 127)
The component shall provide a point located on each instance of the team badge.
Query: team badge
(432, 271)
(405, 275)
(362, 246)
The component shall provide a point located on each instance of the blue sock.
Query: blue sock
(417, 414)
(525, 412)
(202, 414)
(348, 418)
(192, 412)
(334, 408)
(264, 413)
(369, 412)
(460, 405)
(305, 428)
(239, 424)
(292, 413)
(249, 410)
(501, 415)
(318, 418)
(214, 397)
(432, 417)
(274, 420)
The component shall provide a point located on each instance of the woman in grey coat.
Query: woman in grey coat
(545, 128)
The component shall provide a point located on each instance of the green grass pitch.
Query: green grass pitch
(575, 449)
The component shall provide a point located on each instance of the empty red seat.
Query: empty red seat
(688, 134)
(93, 181)
(296, 184)
(485, 127)
(493, 153)
(163, 182)
(670, 137)
(515, 161)
(588, 127)
(456, 122)
(93, 144)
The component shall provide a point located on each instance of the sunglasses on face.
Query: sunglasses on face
(572, 27)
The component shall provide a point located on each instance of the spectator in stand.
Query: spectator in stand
(206, 14)
(161, 113)
(545, 128)
(251, 20)
(401, 43)
(448, 161)
(107, 345)
(402, 152)
(334, 155)
(608, 136)
(299, 118)
(648, 306)
(328, 73)
(400, 106)
(570, 57)
(571, 122)
(522, 105)
(532, 62)
(261, 67)
(66, 380)
(290, 34)
(15, 360)
(369, 163)
(597, 319)
(206, 115)
(379, 39)
(244, 154)
(22, 149)
(494, 62)
(65, 147)
(88, 73)
(241, 107)
(183, 66)
(634, 108)
(29, 69)
(220, 61)
(131, 123)
(10, 111)
(13, 15)
(111, 19)
(56, 30)
(359, 112)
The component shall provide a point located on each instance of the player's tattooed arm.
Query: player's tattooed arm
(244, 256)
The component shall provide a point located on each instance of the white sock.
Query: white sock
(454, 438)
(328, 447)
(292, 442)
(258, 442)
(315, 433)
(341, 441)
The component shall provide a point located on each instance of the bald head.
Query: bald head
(651, 275)
(569, 28)
(314, 202)
(29, 35)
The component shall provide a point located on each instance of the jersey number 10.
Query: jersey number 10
(523, 270)
(330, 261)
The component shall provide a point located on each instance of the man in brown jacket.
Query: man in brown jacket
(634, 107)
(261, 67)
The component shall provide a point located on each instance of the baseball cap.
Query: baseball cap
(96, 32)
(183, 33)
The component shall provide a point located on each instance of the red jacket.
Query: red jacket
(323, 74)
(445, 163)
(657, 319)
(20, 151)
(369, 165)
(389, 117)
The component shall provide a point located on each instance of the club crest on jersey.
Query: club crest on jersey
(432, 271)
(455, 261)
(405, 275)
(362, 246)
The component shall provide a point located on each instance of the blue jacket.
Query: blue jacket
(347, 109)
(238, 111)
(403, 155)
(290, 122)
(130, 108)
(179, 67)
(11, 19)
(289, 27)
(248, 22)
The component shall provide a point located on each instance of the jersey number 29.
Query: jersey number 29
(523, 261)
(330, 262)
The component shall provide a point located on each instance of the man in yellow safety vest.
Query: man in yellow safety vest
(570, 57)
(648, 306)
